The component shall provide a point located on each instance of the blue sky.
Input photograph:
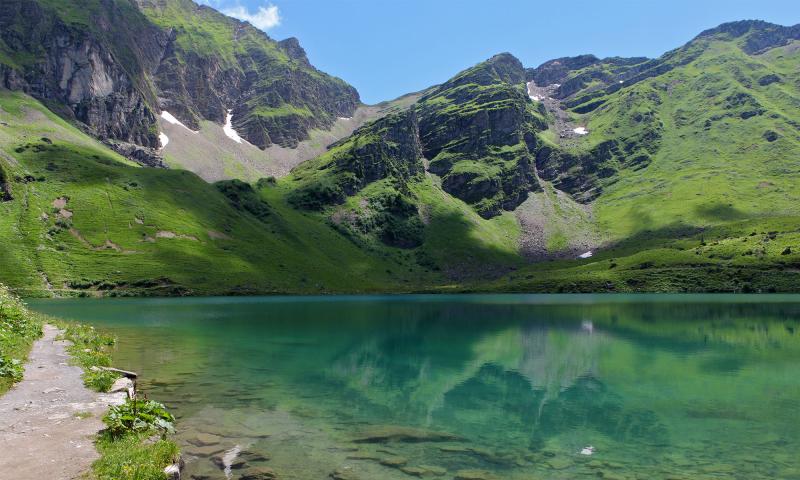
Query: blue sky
(386, 48)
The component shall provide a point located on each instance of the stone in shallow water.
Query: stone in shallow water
(343, 474)
(413, 471)
(236, 464)
(258, 473)
(204, 439)
(363, 456)
(424, 471)
(205, 452)
(391, 433)
(559, 463)
(434, 471)
(475, 475)
(254, 457)
(394, 462)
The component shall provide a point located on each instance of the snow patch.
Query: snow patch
(581, 131)
(171, 119)
(229, 130)
(587, 450)
(163, 138)
(345, 118)
(531, 95)
(586, 255)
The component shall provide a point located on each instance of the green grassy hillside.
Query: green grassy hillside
(671, 174)
(83, 219)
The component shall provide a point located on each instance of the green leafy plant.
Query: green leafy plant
(138, 416)
(100, 380)
(11, 368)
(18, 329)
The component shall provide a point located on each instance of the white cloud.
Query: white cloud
(265, 18)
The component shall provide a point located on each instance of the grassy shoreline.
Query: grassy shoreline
(135, 445)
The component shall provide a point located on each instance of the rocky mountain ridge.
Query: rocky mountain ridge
(114, 65)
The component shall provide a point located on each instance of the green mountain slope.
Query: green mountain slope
(83, 219)
(583, 174)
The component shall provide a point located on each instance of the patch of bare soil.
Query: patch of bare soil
(60, 203)
(48, 421)
(168, 234)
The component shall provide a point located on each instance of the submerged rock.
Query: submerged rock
(258, 473)
(343, 474)
(393, 462)
(385, 434)
(204, 439)
(475, 475)
(424, 471)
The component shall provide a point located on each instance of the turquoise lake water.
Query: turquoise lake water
(469, 387)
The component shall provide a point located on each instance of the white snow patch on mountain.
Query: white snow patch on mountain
(581, 131)
(229, 130)
(171, 119)
(163, 138)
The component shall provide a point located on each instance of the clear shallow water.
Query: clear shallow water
(679, 387)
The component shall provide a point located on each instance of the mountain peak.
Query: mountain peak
(738, 28)
(502, 67)
(759, 35)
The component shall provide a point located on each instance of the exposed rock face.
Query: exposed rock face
(145, 156)
(478, 130)
(574, 74)
(115, 65)
(79, 67)
(387, 148)
(274, 93)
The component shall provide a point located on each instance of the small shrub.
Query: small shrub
(138, 416)
(11, 368)
(100, 380)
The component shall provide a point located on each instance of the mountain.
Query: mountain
(115, 65)
(582, 174)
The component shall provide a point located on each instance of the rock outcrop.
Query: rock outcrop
(96, 70)
(116, 65)
(388, 148)
(479, 132)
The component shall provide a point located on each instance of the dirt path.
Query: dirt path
(48, 421)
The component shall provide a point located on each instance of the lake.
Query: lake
(469, 386)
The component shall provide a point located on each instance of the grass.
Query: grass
(111, 244)
(133, 457)
(89, 349)
(19, 328)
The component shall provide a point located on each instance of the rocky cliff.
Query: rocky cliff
(479, 132)
(96, 69)
(215, 64)
(115, 65)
